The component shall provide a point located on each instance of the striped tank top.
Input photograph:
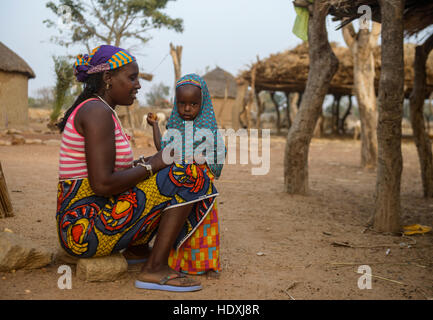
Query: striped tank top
(72, 160)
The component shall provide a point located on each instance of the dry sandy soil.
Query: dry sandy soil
(294, 233)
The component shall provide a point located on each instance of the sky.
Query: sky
(229, 34)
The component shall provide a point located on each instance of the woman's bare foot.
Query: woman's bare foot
(167, 275)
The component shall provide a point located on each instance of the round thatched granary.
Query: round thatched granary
(222, 88)
(14, 76)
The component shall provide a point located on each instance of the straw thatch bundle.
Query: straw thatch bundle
(11, 62)
(418, 14)
(409, 72)
(288, 70)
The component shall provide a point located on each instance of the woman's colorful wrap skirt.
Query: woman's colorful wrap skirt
(90, 226)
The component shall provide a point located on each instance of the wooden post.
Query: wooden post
(253, 96)
(391, 94)
(238, 107)
(420, 134)
(361, 46)
(346, 114)
(335, 113)
(176, 54)
(259, 110)
(277, 110)
(5, 202)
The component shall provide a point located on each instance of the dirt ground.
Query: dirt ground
(293, 235)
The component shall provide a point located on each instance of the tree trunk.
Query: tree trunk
(259, 109)
(295, 100)
(387, 202)
(248, 109)
(346, 114)
(361, 45)
(277, 110)
(238, 106)
(5, 202)
(176, 54)
(323, 66)
(288, 112)
(417, 98)
(336, 114)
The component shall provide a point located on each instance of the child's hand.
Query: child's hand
(152, 119)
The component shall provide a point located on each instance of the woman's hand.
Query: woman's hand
(141, 159)
(152, 119)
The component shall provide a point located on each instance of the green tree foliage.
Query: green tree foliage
(92, 22)
(158, 96)
(64, 80)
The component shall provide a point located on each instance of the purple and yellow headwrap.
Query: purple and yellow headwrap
(101, 58)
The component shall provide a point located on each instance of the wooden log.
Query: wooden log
(277, 110)
(5, 202)
(176, 54)
(346, 114)
(239, 105)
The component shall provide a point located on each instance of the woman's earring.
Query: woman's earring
(107, 87)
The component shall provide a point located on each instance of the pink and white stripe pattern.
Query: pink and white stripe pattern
(72, 162)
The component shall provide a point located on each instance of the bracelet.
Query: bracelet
(140, 160)
(147, 166)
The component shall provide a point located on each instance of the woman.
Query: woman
(106, 201)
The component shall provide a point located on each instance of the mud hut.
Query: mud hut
(14, 76)
(222, 88)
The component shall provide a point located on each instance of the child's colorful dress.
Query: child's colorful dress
(201, 251)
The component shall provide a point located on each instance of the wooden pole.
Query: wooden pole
(346, 114)
(176, 54)
(390, 160)
(417, 98)
(277, 110)
(239, 105)
(5, 202)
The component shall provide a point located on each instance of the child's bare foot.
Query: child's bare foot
(137, 252)
(212, 275)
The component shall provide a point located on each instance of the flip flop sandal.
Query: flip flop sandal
(163, 286)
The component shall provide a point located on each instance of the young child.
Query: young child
(199, 253)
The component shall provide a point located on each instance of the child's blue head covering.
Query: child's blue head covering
(204, 120)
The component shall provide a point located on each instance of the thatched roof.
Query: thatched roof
(11, 62)
(218, 80)
(288, 70)
(418, 14)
